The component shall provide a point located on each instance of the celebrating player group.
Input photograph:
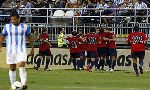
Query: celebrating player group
(97, 47)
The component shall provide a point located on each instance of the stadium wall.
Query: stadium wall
(60, 59)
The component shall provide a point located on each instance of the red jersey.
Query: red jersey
(103, 42)
(99, 44)
(111, 44)
(92, 41)
(74, 44)
(83, 45)
(44, 42)
(137, 40)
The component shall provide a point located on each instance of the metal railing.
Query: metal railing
(119, 26)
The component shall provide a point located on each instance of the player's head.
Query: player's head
(92, 30)
(44, 30)
(74, 33)
(62, 30)
(136, 29)
(80, 31)
(97, 30)
(101, 30)
(14, 17)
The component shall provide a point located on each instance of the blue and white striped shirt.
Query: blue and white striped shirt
(15, 37)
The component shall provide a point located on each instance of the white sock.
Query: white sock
(12, 76)
(23, 75)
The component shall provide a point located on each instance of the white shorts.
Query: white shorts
(15, 58)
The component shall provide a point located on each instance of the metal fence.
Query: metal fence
(46, 17)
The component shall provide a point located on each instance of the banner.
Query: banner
(61, 59)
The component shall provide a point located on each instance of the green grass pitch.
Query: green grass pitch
(80, 80)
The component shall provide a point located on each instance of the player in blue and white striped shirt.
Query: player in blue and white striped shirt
(15, 34)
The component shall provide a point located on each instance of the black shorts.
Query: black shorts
(91, 54)
(82, 53)
(112, 52)
(75, 55)
(102, 51)
(138, 54)
(45, 53)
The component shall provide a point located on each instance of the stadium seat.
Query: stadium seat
(70, 14)
(73, 1)
(58, 13)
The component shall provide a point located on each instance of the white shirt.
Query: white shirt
(138, 5)
(15, 37)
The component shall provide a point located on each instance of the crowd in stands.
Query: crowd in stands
(100, 5)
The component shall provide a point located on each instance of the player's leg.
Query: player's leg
(102, 58)
(82, 59)
(21, 61)
(72, 56)
(113, 54)
(12, 68)
(38, 63)
(141, 62)
(93, 57)
(23, 74)
(134, 60)
(12, 73)
(48, 56)
(108, 61)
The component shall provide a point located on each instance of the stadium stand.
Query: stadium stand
(75, 14)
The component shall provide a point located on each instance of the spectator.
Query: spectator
(61, 38)
(140, 7)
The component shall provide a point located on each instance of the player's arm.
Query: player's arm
(30, 40)
(1, 41)
(128, 41)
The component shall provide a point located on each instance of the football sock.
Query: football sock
(23, 75)
(92, 63)
(82, 63)
(113, 64)
(74, 63)
(141, 63)
(108, 63)
(102, 63)
(38, 62)
(135, 67)
(12, 76)
(96, 63)
(78, 64)
(47, 63)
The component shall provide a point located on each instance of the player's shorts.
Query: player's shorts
(112, 51)
(101, 51)
(14, 58)
(75, 55)
(82, 53)
(91, 54)
(45, 53)
(139, 54)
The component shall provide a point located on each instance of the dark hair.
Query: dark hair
(136, 29)
(14, 13)
(74, 33)
(44, 29)
(92, 29)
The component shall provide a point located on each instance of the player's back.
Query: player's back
(74, 44)
(138, 41)
(15, 37)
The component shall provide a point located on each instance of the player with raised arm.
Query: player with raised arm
(44, 49)
(75, 52)
(137, 40)
(92, 40)
(112, 49)
(15, 34)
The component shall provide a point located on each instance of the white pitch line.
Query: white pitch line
(98, 88)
